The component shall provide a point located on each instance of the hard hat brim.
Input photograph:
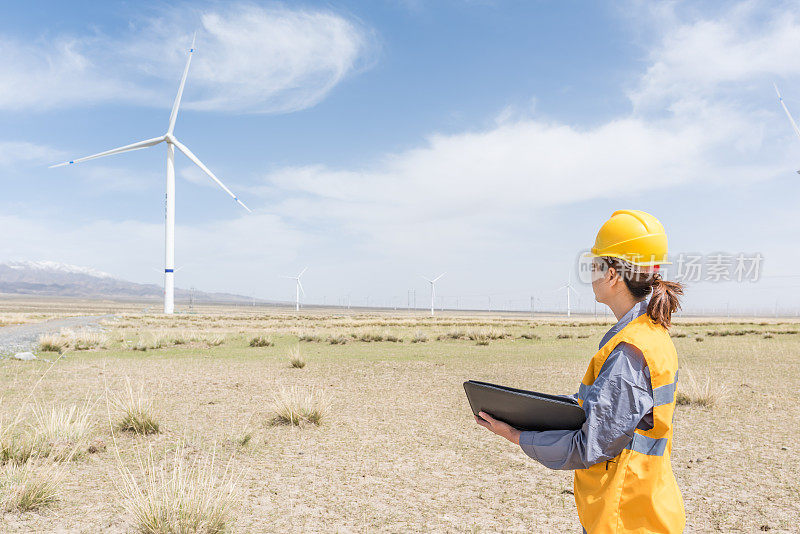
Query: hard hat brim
(592, 254)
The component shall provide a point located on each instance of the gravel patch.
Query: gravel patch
(25, 337)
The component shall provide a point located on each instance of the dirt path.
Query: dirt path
(24, 337)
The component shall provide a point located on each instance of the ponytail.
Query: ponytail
(665, 299)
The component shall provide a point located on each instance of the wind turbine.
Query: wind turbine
(433, 289)
(169, 222)
(298, 288)
(568, 287)
(783, 104)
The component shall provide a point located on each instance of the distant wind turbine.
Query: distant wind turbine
(298, 288)
(169, 223)
(791, 119)
(433, 289)
(568, 287)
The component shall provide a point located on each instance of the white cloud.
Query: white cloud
(102, 178)
(249, 59)
(41, 75)
(750, 42)
(196, 176)
(481, 188)
(14, 153)
(477, 183)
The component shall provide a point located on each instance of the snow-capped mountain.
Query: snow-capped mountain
(57, 267)
(49, 278)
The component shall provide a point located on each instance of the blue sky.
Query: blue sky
(379, 141)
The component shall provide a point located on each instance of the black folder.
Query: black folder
(524, 410)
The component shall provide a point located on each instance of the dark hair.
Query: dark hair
(666, 295)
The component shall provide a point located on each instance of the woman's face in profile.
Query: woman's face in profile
(601, 279)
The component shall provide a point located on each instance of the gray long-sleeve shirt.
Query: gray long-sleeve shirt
(619, 401)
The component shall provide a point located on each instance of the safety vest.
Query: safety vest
(636, 491)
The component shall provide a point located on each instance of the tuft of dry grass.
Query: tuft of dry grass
(456, 334)
(61, 433)
(17, 447)
(529, 335)
(52, 343)
(138, 413)
(88, 340)
(179, 498)
(308, 336)
(496, 333)
(705, 393)
(214, 340)
(27, 487)
(244, 439)
(152, 340)
(419, 337)
(262, 341)
(481, 339)
(370, 336)
(81, 340)
(337, 339)
(297, 407)
(296, 359)
(394, 338)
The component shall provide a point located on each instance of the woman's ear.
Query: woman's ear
(612, 278)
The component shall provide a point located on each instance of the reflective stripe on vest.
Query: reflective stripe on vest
(650, 446)
(661, 395)
(665, 394)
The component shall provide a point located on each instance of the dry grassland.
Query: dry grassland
(396, 448)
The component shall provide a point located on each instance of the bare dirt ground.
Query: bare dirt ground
(399, 450)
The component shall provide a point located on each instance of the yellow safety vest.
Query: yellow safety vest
(636, 491)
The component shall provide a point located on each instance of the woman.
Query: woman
(621, 455)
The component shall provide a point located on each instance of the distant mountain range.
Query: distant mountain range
(49, 278)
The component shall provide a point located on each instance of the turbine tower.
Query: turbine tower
(783, 104)
(568, 287)
(298, 288)
(433, 289)
(169, 222)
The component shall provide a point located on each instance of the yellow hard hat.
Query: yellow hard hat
(634, 236)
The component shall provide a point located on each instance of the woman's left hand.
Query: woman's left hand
(498, 427)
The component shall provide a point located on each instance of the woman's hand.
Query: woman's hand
(498, 427)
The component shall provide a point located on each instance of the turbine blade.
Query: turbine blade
(134, 146)
(427, 280)
(783, 104)
(437, 278)
(573, 290)
(174, 115)
(301, 272)
(188, 154)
